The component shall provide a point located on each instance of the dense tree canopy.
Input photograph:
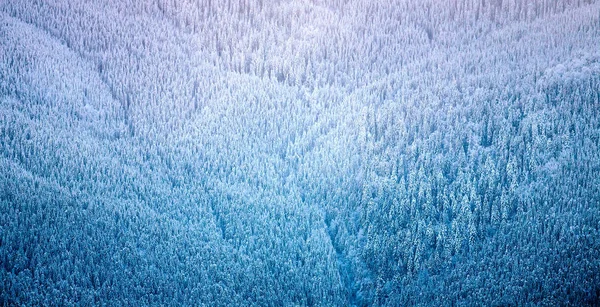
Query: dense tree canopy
(312, 153)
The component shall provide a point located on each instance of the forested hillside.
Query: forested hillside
(299, 152)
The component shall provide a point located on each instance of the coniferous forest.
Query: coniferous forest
(299, 153)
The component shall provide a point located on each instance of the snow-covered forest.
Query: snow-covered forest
(299, 152)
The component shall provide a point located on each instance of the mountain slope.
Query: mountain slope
(299, 152)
